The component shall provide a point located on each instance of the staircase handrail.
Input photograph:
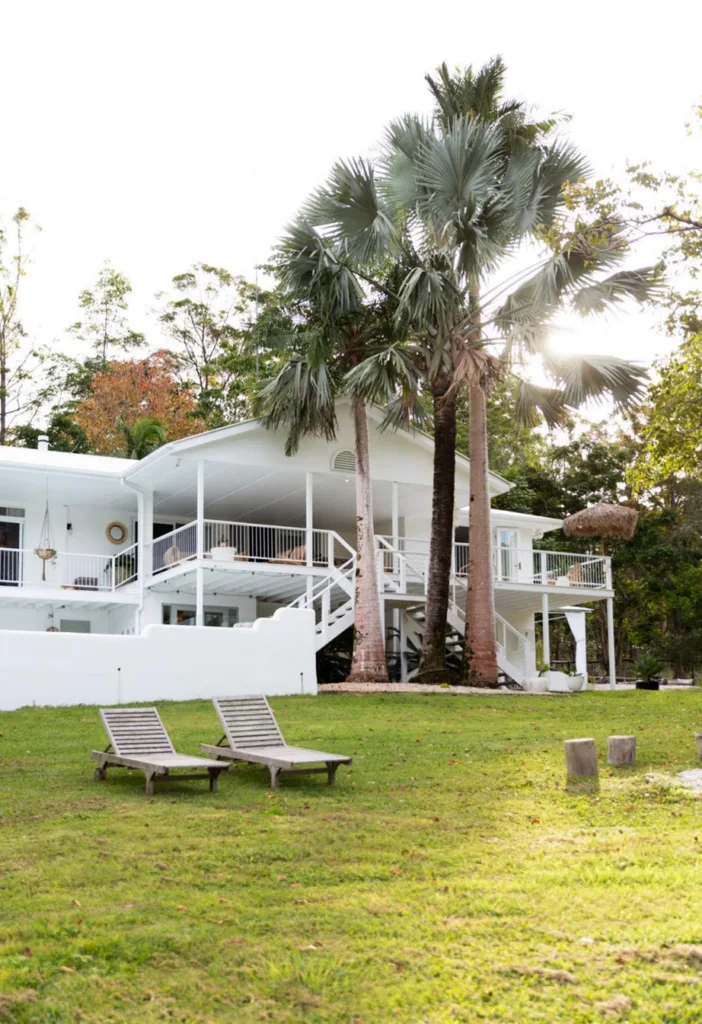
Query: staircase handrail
(333, 579)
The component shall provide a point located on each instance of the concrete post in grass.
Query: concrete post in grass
(581, 757)
(621, 750)
(698, 737)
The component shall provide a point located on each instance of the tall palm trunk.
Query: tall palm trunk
(433, 656)
(480, 660)
(368, 664)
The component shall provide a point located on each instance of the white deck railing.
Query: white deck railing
(226, 542)
(69, 570)
(542, 568)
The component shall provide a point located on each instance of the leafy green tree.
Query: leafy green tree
(26, 372)
(142, 437)
(103, 324)
(217, 325)
(672, 433)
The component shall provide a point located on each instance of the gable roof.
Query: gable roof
(187, 444)
(104, 465)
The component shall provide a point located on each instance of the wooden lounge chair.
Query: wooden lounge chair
(139, 740)
(253, 735)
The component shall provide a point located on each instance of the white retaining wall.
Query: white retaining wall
(274, 656)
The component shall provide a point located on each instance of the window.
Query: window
(75, 626)
(184, 615)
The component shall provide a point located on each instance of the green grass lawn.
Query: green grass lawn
(447, 877)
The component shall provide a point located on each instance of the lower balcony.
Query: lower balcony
(67, 570)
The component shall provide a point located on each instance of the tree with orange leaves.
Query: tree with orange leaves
(133, 390)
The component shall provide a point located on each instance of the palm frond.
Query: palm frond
(588, 378)
(310, 266)
(348, 206)
(300, 398)
(379, 377)
(534, 403)
(641, 286)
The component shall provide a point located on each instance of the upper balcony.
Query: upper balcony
(403, 567)
(242, 546)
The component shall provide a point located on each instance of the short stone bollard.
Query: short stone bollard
(621, 750)
(581, 757)
(698, 737)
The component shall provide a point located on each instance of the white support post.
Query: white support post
(326, 612)
(610, 644)
(543, 569)
(141, 561)
(309, 505)
(146, 530)
(608, 573)
(200, 531)
(545, 629)
(395, 524)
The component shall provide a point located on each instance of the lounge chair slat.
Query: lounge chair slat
(139, 740)
(254, 736)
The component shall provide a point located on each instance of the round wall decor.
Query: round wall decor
(116, 533)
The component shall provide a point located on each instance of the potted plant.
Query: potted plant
(649, 670)
(576, 680)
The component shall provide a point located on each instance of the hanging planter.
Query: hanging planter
(45, 549)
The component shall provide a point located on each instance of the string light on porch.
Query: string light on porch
(45, 549)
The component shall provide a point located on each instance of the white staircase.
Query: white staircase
(332, 601)
(404, 573)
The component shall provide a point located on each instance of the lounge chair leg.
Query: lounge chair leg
(101, 773)
(331, 773)
(214, 774)
(149, 783)
(275, 772)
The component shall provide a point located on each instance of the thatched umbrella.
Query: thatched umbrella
(602, 521)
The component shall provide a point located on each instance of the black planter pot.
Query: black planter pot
(648, 684)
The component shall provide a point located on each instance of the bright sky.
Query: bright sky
(155, 134)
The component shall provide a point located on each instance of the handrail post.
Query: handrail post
(326, 608)
(608, 572)
(330, 549)
(309, 500)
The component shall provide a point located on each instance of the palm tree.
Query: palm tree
(342, 324)
(468, 192)
(144, 436)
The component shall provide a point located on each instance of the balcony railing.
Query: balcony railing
(543, 568)
(406, 560)
(226, 542)
(68, 570)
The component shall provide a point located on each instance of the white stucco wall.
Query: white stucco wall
(274, 656)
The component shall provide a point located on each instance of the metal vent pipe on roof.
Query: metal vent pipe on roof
(43, 442)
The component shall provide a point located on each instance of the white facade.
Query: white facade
(216, 532)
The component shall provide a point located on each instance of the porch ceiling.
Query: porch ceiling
(528, 599)
(255, 494)
(280, 587)
(19, 485)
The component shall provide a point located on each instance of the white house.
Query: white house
(223, 530)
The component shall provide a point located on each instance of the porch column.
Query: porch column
(395, 525)
(610, 644)
(200, 534)
(141, 559)
(545, 629)
(309, 503)
(577, 621)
